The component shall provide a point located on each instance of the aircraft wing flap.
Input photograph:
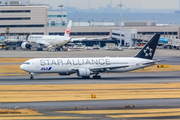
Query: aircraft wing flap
(100, 38)
(10, 40)
(78, 39)
(160, 60)
(108, 67)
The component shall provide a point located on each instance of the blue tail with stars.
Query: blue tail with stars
(149, 49)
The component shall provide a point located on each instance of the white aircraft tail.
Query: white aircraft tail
(68, 29)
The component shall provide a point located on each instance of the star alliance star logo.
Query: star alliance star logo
(148, 52)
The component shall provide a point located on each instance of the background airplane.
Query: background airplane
(49, 41)
(52, 41)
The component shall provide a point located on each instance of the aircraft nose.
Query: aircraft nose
(22, 67)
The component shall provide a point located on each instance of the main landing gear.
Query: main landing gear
(96, 77)
(32, 76)
(86, 77)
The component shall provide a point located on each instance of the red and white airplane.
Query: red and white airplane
(51, 41)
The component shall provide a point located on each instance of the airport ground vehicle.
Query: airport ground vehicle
(2, 46)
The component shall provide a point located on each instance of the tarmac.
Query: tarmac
(171, 56)
(116, 78)
(165, 53)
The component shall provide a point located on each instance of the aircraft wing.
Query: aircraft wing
(80, 39)
(160, 60)
(10, 40)
(110, 67)
(106, 67)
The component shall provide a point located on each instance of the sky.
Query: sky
(137, 4)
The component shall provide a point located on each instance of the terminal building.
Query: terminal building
(57, 18)
(23, 18)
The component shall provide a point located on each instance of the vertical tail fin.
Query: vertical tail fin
(68, 29)
(149, 49)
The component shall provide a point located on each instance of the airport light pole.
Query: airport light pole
(103, 21)
(61, 6)
(47, 25)
(48, 21)
(79, 21)
(120, 5)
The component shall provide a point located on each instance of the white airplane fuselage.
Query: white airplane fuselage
(51, 39)
(69, 65)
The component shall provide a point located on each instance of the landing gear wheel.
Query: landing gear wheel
(32, 77)
(39, 49)
(97, 77)
(86, 77)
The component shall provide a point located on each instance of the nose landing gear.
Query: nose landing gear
(32, 76)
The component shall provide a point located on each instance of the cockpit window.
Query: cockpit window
(27, 63)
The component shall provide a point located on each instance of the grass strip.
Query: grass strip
(76, 87)
(156, 69)
(18, 112)
(41, 118)
(35, 96)
(13, 74)
(13, 60)
(134, 111)
(11, 69)
(145, 115)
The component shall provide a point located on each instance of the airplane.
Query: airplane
(85, 67)
(53, 41)
(49, 41)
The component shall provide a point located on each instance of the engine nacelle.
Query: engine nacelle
(83, 72)
(25, 45)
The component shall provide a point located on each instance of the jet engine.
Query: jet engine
(25, 45)
(83, 72)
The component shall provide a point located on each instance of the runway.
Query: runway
(120, 78)
(94, 103)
